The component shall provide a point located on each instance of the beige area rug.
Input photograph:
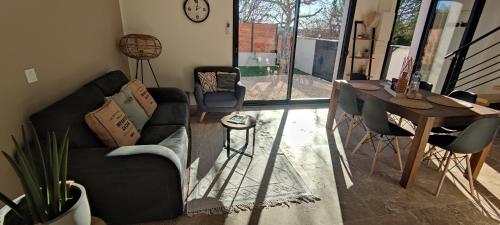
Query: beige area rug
(219, 184)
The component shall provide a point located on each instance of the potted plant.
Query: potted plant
(49, 198)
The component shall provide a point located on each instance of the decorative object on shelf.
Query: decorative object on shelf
(363, 56)
(197, 10)
(371, 19)
(141, 47)
(404, 75)
(49, 198)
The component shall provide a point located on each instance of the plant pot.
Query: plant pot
(78, 214)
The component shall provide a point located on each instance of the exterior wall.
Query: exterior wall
(304, 56)
(257, 38)
(256, 59)
(396, 58)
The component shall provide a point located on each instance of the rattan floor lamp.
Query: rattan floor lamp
(141, 47)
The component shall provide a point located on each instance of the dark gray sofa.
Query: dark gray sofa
(125, 189)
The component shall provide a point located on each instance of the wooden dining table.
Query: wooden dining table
(425, 119)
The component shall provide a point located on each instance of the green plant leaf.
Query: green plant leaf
(25, 186)
(56, 196)
(64, 168)
(33, 190)
(16, 209)
(43, 167)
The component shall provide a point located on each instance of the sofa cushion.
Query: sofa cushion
(141, 94)
(154, 134)
(131, 108)
(112, 126)
(69, 113)
(226, 81)
(208, 82)
(221, 99)
(111, 82)
(170, 113)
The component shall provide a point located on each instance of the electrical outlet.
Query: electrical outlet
(30, 75)
(228, 27)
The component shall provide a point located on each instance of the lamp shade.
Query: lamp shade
(140, 46)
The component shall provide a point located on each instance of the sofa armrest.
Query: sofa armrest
(198, 95)
(119, 186)
(240, 94)
(169, 95)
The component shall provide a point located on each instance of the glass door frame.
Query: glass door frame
(340, 69)
(472, 23)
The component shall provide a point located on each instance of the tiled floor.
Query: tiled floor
(349, 195)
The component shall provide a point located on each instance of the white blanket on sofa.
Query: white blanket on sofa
(174, 148)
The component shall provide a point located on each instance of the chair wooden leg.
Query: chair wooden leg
(358, 146)
(398, 152)
(443, 159)
(377, 152)
(444, 174)
(431, 153)
(349, 131)
(202, 117)
(469, 174)
(340, 121)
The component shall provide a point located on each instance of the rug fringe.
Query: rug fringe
(249, 206)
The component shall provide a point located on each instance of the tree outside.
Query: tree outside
(405, 22)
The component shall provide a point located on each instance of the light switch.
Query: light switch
(30, 75)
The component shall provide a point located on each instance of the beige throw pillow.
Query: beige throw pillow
(208, 82)
(141, 94)
(112, 126)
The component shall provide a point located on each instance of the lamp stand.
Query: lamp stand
(142, 71)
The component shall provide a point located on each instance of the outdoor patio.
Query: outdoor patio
(274, 87)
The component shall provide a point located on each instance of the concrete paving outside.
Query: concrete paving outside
(274, 87)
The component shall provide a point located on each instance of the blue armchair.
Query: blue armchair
(222, 101)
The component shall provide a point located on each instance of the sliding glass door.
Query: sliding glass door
(402, 36)
(264, 47)
(446, 28)
(286, 49)
(316, 47)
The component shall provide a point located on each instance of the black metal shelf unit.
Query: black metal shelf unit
(353, 53)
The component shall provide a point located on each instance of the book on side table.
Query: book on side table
(238, 119)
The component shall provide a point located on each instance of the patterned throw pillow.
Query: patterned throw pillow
(226, 81)
(208, 82)
(141, 94)
(112, 126)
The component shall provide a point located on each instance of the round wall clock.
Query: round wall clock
(197, 10)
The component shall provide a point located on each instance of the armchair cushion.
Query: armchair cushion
(226, 81)
(208, 81)
(220, 99)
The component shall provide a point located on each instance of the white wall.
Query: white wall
(397, 59)
(385, 9)
(186, 45)
(304, 55)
